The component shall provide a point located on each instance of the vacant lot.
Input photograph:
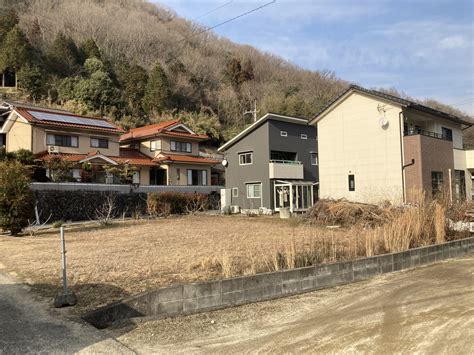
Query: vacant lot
(107, 263)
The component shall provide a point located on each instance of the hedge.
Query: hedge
(81, 205)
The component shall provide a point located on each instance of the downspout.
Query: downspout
(402, 157)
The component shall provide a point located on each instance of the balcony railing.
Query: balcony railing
(294, 162)
(414, 132)
(285, 169)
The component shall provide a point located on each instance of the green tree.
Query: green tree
(8, 20)
(134, 86)
(16, 198)
(123, 171)
(31, 79)
(67, 88)
(89, 49)
(97, 91)
(157, 91)
(16, 51)
(59, 169)
(63, 56)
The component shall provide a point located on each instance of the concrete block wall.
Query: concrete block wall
(73, 186)
(197, 297)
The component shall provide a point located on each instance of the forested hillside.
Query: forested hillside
(136, 62)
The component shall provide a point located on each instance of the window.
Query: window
(99, 143)
(436, 182)
(181, 147)
(447, 133)
(284, 133)
(304, 136)
(314, 158)
(254, 190)
(62, 140)
(282, 156)
(235, 192)
(245, 158)
(351, 182)
(155, 145)
(178, 174)
(197, 177)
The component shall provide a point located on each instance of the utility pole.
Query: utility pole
(253, 112)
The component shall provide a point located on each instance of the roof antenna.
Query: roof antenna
(253, 112)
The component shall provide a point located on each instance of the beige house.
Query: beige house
(166, 153)
(375, 147)
(174, 149)
(77, 139)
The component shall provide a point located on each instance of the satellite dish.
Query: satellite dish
(225, 163)
(383, 122)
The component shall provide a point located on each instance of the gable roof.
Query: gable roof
(58, 118)
(404, 103)
(162, 128)
(258, 123)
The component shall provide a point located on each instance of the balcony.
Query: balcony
(416, 131)
(286, 169)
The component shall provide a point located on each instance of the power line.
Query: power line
(463, 103)
(227, 21)
(213, 10)
(180, 50)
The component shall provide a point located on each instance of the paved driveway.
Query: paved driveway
(428, 310)
(27, 325)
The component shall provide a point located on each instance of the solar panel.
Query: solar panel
(54, 117)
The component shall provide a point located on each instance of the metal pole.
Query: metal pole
(63, 254)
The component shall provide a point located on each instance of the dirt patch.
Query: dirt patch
(424, 310)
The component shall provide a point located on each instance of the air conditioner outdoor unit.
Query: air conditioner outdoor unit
(53, 149)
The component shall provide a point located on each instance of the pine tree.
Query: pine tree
(63, 56)
(16, 50)
(157, 91)
(134, 86)
(31, 79)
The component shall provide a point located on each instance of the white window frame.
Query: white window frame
(245, 154)
(252, 195)
(188, 147)
(314, 154)
(155, 145)
(51, 140)
(284, 133)
(235, 192)
(98, 139)
(189, 179)
(304, 136)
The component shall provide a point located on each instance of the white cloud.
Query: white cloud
(454, 42)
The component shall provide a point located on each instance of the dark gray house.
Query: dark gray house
(273, 163)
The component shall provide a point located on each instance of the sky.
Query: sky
(421, 47)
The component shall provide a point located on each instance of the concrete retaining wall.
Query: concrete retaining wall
(197, 297)
(73, 186)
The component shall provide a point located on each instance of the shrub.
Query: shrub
(166, 203)
(16, 199)
(82, 205)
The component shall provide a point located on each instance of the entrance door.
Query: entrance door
(281, 196)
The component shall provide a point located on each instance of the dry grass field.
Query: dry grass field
(128, 257)
(107, 263)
